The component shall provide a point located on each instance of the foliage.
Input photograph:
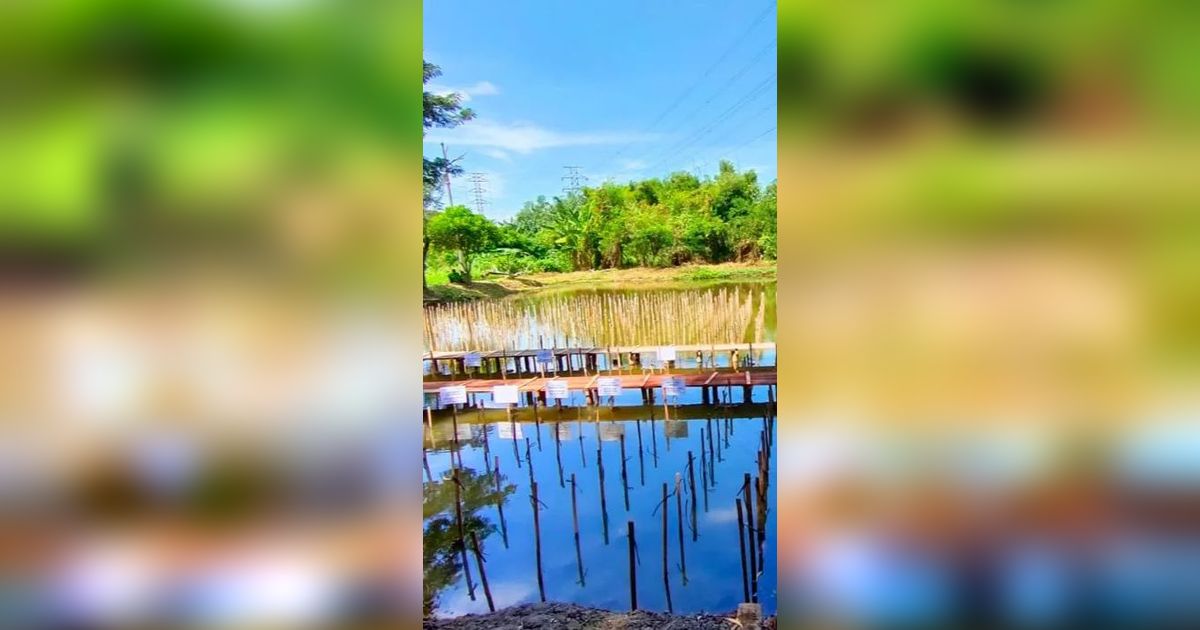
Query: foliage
(459, 231)
(439, 110)
(667, 222)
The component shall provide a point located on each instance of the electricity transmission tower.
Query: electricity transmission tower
(478, 189)
(573, 180)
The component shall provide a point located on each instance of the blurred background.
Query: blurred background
(990, 230)
(209, 226)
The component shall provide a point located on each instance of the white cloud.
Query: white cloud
(524, 137)
(482, 88)
(633, 165)
(496, 153)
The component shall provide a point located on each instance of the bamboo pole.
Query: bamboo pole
(500, 503)
(750, 538)
(462, 541)
(679, 517)
(537, 541)
(558, 453)
(487, 591)
(665, 548)
(692, 487)
(624, 474)
(603, 498)
(632, 568)
(742, 551)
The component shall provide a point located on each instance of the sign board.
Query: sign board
(608, 386)
(452, 395)
(505, 394)
(473, 359)
(673, 386)
(666, 353)
(545, 356)
(556, 389)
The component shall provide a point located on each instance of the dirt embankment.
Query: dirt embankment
(572, 617)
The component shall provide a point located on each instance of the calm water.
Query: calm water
(717, 313)
(571, 441)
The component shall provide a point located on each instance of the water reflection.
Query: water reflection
(598, 470)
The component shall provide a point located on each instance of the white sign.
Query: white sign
(505, 394)
(666, 353)
(611, 432)
(673, 386)
(473, 359)
(452, 395)
(509, 430)
(556, 389)
(545, 356)
(608, 386)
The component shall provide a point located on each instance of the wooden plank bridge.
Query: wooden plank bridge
(587, 360)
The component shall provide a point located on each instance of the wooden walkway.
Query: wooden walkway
(707, 378)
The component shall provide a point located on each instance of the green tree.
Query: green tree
(467, 234)
(439, 110)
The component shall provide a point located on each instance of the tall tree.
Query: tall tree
(439, 110)
(457, 229)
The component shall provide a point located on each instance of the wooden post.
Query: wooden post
(703, 470)
(558, 453)
(711, 463)
(487, 591)
(425, 463)
(603, 498)
(582, 454)
(692, 486)
(537, 542)
(500, 504)
(750, 537)
(679, 516)
(429, 420)
(487, 449)
(641, 459)
(665, 547)
(575, 523)
(632, 569)
(529, 460)
(742, 550)
(457, 451)
(624, 474)
(462, 539)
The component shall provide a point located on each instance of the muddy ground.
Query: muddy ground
(572, 617)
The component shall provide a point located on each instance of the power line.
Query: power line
(478, 189)
(770, 8)
(573, 180)
(746, 99)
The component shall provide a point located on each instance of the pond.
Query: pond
(729, 312)
(579, 451)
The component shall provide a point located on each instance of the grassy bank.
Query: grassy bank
(495, 287)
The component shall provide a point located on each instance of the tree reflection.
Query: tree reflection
(442, 553)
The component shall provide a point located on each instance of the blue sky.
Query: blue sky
(623, 89)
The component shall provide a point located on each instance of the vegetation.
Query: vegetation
(669, 222)
(441, 110)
